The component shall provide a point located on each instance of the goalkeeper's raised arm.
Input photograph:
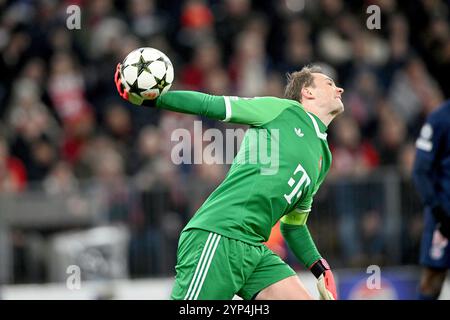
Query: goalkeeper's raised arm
(254, 111)
(190, 102)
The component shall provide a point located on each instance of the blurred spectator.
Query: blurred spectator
(249, 65)
(152, 169)
(232, 16)
(412, 215)
(391, 136)
(35, 131)
(352, 158)
(156, 180)
(118, 126)
(334, 42)
(66, 89)
(145, 19)
(43, 156)
(373, 240)
(206, 59)
(274, 85)
(60, 180)
(76, 138)
(13, 176)
(351, 155)
(28, 116)
(11, 58)
(361, 101)
(217, 82)
(412, 91)
(196, 22)
(297, 49)
(405, 159)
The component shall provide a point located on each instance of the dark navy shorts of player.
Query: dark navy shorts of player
(435, 249)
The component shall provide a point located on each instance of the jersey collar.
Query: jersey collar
(319, 126)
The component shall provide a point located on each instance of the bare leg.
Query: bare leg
(431, 281)
(290, 288)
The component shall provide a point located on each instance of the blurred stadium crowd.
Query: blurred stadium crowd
(62, 123)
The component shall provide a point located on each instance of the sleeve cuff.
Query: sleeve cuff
(227, 109)
(319, 267)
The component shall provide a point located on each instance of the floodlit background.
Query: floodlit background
(87, 181)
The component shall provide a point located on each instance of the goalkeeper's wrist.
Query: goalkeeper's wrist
(319, 267)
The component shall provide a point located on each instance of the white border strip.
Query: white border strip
(227, 109)
(321, 135)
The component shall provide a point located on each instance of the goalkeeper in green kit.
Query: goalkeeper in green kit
(221, 251)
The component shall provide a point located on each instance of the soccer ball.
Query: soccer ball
(147, 72)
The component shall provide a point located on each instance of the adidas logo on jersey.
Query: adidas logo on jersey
(299, 132)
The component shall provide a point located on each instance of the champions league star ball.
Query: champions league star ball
(147, 72)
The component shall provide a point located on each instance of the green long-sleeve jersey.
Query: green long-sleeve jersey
(283, 159)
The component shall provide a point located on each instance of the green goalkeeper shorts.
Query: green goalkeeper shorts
(213, 267)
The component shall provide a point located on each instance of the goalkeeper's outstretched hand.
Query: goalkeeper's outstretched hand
(125, 93)
(325, 280)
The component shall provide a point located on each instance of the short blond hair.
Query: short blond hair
(298, 80)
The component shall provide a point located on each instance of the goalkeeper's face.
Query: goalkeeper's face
(327, 94)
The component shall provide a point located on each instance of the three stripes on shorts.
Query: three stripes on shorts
(203, 266)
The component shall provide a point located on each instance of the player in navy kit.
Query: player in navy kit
(432, 179)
